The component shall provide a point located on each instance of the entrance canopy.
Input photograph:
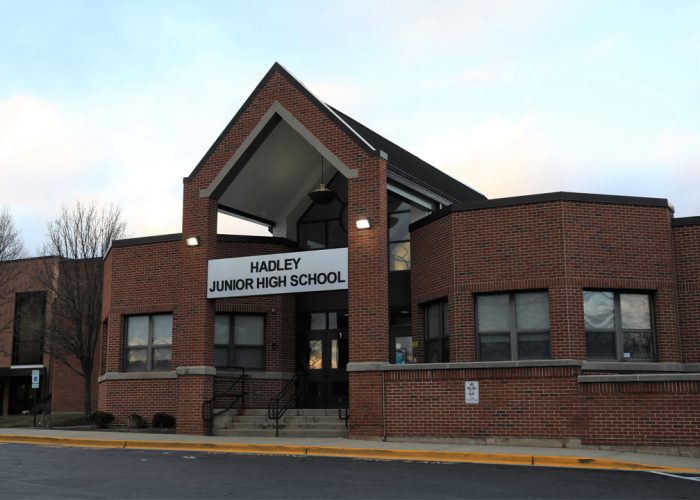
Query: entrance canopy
(268, 178)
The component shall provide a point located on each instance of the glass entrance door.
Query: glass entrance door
(325, 360)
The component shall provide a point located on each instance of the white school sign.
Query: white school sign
(312, 271)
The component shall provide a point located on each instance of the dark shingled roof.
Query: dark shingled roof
(413, 168)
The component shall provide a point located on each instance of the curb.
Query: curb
(344, 452)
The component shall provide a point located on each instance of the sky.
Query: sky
(116, 102)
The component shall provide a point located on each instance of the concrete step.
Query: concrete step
(270, 432)
(294, 411)
(290, 419)
(225, 418)
(270, 423)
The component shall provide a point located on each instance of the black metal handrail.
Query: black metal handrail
(208, 406)
(289, 395)
(344, 410)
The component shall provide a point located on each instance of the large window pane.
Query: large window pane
(312, 235)
(137, 331)
(432, 352)
(163, 329)
(400, 256)
(334, 353)
(601, 345)
(398, 226)
(637, 345)
(221, 329)
(247, 357)
(532, 311)
(337, 236)
(599, 310)
(137, 359)
(318, 321)
(434, 313)
(635, 311)
(403, 350)
(249, 330)
(493, 313)
(315, 354)
(533, 346)
(495, 348)
(221, 356)
(161, 358)
(332, 320)
(396, 204)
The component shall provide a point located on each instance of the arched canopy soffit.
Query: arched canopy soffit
(270, 174)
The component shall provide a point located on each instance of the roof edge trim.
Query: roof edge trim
(686, 221)
(543, 198)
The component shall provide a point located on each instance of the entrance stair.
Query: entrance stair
(295, 423)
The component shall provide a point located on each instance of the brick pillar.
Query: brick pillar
(368, 299)
(193, 326)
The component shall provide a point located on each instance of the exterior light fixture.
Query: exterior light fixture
(362, 224)
(322, 195)
(192, 241)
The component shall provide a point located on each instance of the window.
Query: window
(400, 215)
(326, 225)
(618, 325)
(401, 341)
(437, 342)
(239, 341)
(149, 342)
(30, 322)
(513, 326)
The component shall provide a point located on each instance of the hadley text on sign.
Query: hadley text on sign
(312, 271)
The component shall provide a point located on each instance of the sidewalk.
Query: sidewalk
(339, 447)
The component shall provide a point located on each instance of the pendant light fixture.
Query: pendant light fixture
(322, 195)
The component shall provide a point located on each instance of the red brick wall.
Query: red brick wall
(563, 247)
(542, 403)
(366, 410)
(148, 281)
(642, 414)
(65, 386)
(525, 402)
(143, 397)
(686, 244)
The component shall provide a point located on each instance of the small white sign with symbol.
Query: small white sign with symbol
(471, 392)
(35, 379)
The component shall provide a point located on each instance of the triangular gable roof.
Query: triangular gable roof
(401, 162)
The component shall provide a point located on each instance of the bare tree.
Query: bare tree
(11, 248)
(79, 236)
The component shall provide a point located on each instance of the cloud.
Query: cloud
(420, 26)
(41, 139)
(498, 157)
(474, 76)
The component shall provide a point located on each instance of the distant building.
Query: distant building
(27, 327)
(432, 311)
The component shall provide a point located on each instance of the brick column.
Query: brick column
(368, 299)
(193, 325)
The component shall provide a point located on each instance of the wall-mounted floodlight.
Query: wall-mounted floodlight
(362, 224)
(192, 241)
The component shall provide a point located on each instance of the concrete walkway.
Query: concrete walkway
(339, 447)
